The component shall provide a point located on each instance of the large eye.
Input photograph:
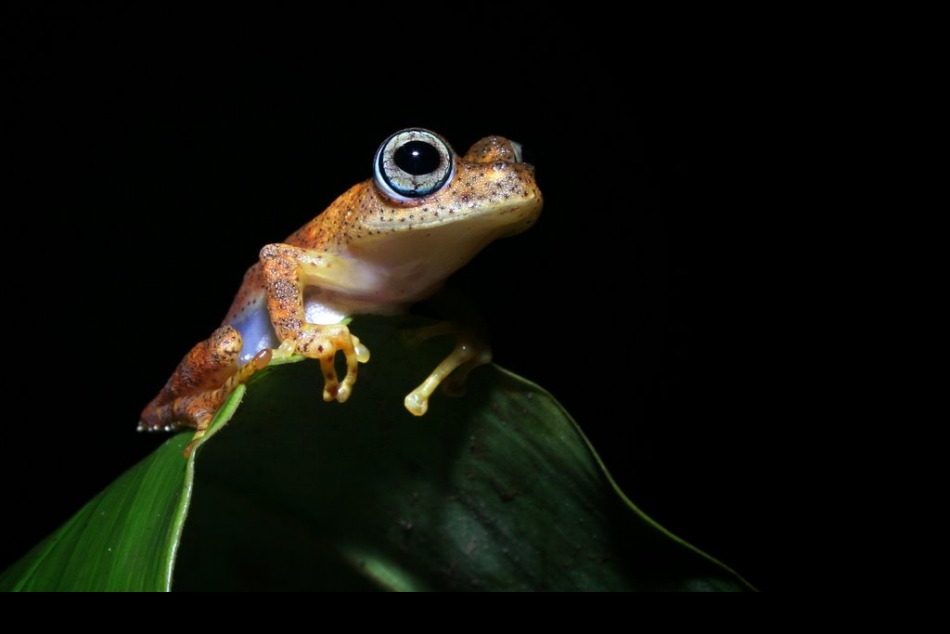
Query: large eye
(413, 163)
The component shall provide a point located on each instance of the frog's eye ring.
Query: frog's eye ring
(413, 163)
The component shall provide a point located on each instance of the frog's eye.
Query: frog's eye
(413, 163)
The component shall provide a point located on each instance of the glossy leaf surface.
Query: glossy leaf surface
(494, 490)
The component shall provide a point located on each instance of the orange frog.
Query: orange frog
(385, 243)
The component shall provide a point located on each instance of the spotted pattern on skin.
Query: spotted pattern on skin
(486, 180)
(353, 260)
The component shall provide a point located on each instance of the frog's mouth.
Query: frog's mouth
(420, 256)
(464, 231)
(509, 218)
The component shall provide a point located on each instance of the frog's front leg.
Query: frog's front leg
(287, 271)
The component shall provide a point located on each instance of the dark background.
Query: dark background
(151, 164)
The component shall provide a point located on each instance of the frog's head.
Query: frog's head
(429, 210)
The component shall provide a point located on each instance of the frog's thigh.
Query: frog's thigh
(187, 396)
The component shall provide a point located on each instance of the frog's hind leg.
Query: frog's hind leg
(471, 350)
(200, 385)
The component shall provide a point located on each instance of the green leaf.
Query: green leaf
(495, 490)
(124, 539)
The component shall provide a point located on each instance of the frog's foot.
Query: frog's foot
(470, 352)
(204, 412)
(200, 385)
(322, 343)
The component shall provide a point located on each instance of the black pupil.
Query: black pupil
(417, 158)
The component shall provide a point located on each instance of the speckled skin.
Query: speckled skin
(366, 253)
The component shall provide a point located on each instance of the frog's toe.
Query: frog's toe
(360, 351)
(331, 383)
(343, 393)
(417, 402)
(158, 426)
(333, 388)
(200, 431)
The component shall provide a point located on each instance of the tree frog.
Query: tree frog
(384, 244)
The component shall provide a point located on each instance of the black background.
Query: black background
(152, 162)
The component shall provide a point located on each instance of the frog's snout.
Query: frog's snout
(494, 149)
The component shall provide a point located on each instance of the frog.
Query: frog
(385, 244)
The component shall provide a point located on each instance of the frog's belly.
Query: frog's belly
(256, 329)
(254, 323)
